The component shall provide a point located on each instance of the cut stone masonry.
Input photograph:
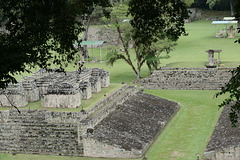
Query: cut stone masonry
(57, 89)
(122, 125)
(188, 78)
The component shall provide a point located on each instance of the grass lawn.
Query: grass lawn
(190, 130)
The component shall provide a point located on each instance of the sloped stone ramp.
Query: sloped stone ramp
(225, 141)
(129, 130)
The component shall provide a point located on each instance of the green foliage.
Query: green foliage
(221, 4)
(154, 51)
(212, 3)
(233, 88)
(237, 9)
(37, 30)
(188, 2)
(114, 55)
(147, 32)
(161, 19)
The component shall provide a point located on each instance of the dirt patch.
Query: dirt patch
(177, 154)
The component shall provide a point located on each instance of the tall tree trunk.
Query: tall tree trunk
(129, 61)
(232, 8)
(86, 24)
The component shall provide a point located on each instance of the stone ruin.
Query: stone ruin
(187, 78)
(14, 95)
(122, 125)
(57, 89)
(130, 129)
(225, 141)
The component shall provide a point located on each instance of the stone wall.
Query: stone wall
(225, 140)
(40, 132)
(106, 100)
(122, 125)
(229, 153)
(130, 129)
(14, 94)
(103, 34)
(187, 78)
(95, 148)
(62, 95)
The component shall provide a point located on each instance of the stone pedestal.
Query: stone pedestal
(86, 90)
(95, 84)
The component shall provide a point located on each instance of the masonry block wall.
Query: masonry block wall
(122, 125)
(188, 78)
(40, 132)
(229, 153)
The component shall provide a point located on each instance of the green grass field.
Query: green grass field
(190, 130)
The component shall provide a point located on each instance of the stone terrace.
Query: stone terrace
(40, 132)
(132, 127)
(188, 78)
(225, 140)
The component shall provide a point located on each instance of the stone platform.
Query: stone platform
(129, 130)
(187, 78)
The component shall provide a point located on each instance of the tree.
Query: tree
(188, 2)
(39, 33)
(233, 86)
(149, 54)
(213, 3)
(162, 19)
(87, 20)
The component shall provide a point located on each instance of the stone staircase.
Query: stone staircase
(105, 107)
(30, 133)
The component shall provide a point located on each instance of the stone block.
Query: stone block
(14, 94)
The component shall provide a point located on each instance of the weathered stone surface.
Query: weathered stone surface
(32, 132)
(104, 34)
(225, 140)
(131, 128)
(104, 75)
(105, 107)
(95, 84)
(122, 125)
(188, 78)
(13, 94)
(31, 89)
(62, 95)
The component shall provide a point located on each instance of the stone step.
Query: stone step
(110, 102)
(44, 150)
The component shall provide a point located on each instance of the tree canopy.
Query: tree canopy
(161, 19)
(151, 33)
(188, 2)
(39, 33)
